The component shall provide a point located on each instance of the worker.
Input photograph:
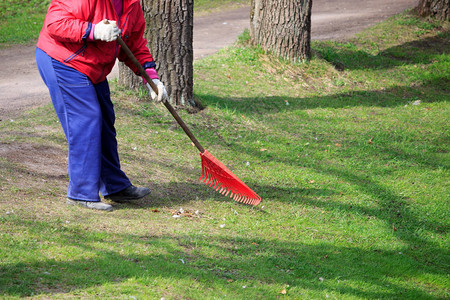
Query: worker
(76, 50)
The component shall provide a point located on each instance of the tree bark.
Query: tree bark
(169, 34)
(282, 27)
(439, 9)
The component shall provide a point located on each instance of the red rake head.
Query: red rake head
(216, 175)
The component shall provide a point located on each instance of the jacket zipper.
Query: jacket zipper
(76, 53)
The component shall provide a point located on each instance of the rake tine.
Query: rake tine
(209, 179)
(203, 173)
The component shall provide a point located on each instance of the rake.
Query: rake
(214, 173)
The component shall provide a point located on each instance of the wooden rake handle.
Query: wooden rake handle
(155, 89)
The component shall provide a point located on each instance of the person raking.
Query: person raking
(75, 52)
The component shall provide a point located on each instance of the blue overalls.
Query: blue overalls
(87, 117)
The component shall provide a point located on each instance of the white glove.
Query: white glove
(106, 31)
(162, 93)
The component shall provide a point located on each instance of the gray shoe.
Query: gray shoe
(89, 204)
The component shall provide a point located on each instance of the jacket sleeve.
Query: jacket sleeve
(138, 44)
(65, 21)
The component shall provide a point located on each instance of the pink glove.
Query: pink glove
(151, 72)
(91, 34)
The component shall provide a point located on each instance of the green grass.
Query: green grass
(351, 166)
(21, 20)
(206, 6)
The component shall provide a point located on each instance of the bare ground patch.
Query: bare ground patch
(48, 161)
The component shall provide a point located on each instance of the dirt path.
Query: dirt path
(21, 87)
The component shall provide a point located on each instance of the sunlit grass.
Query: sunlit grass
(349, 153)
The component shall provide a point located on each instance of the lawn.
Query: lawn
(349, 153)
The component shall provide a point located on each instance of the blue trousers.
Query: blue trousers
(87, 116)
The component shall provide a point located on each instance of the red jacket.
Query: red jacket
(67, 26)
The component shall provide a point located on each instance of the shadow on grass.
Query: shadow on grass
(268, 263)
(272, 264)
(345, 269)
(347, 56)
(435, 90)
(392, 208)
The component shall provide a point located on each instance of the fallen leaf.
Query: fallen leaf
(370, 141)
(393, 227)
(230, 280)
(155, 210)
(283, 292)
(263, 149)
(312, 181)
(338, 145)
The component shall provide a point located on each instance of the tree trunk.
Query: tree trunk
(169, 34)
(282, 27)
(440, 9)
